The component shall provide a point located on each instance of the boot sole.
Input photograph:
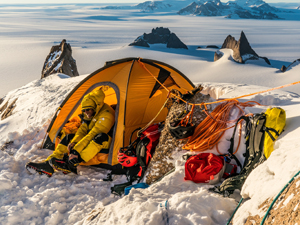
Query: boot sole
(33, 170)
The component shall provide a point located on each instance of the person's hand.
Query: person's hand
(73, 159)
(71, 146)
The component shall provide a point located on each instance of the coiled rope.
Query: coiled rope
(209, 132)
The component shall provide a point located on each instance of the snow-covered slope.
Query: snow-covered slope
(150, 6)
(86, 199)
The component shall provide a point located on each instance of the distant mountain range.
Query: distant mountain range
(250, 9)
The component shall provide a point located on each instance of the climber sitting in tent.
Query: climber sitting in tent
(89, 145)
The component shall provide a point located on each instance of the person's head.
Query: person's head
(88, 107)
(89, 112)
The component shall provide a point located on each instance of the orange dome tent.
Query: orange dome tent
(128, 85)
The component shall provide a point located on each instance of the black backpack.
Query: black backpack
(256, 132)
(254, 156)
(143, 148)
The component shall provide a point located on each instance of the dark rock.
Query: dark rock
(174, 42)
(283, 68)
(218, 55)
(190, 9)
(8, 109)
(265, 7)
(266, 60)
(211, 8)
(6, 146)
(150, 6)
(140, 42)
(295, 63)
(4, 106)
(60, 60)
(159, 35)
(242, 51)
(212, 46)
(246, 14)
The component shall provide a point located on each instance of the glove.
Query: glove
(74, 158)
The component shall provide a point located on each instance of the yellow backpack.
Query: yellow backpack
(275, 123)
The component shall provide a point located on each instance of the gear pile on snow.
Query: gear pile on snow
(162, 161)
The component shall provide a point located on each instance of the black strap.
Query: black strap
(268, 129)
(230, 150)
(120, 188)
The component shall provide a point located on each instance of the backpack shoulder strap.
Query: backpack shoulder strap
(230, 150)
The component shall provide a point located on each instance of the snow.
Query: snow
(86, 199)
(288, 199)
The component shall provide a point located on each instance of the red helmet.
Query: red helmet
(126, 158)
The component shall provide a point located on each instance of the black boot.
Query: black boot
(63, 165)
(41, 168)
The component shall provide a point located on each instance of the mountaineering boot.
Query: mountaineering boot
(41, 168)
(63, 165)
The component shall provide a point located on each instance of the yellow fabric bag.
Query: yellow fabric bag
(275, 123)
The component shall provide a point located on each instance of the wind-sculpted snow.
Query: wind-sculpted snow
(181, 197)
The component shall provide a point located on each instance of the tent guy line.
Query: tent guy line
(219, 101)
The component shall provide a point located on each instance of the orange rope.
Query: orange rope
(209, 132)
(219, 101)
(189, 117)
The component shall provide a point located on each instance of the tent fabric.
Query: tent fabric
(128, 85)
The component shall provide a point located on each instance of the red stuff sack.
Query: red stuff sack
(204, 168)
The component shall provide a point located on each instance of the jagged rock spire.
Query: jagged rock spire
(242, 51)
(60, 60)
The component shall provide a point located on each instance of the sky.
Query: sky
(104, 1)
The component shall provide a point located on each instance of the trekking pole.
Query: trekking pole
(270, 207)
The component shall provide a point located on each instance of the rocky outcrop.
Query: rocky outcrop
(265, 7)
(150, 6)
(213, 8)
(159, 35)
(218, 55)
(242, 51)
(212, 46)
(285, 210)
(295, 63)
(246, 14)
(162, 161)
(60, 60)
(7, 109)
(190, 9)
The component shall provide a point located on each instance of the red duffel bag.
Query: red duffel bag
(204, 168)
